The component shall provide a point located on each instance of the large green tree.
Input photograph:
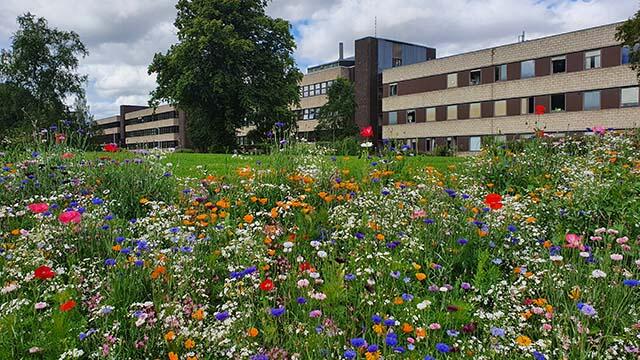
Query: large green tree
(336, 116)
(629, 34)
(39, 73)
(233, 65)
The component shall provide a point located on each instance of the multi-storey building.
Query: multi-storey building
(581, 79)
(144, 127)
(372, 56)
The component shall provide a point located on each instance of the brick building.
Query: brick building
(581, 78)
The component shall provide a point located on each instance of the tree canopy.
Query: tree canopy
(629, 34)
(38, 73)
(232, 66)
(336, 116)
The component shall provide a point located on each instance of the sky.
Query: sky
(123, 35)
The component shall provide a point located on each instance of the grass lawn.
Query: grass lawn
(194, 165)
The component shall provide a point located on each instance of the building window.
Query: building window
(475, 111)
(305, 114)
(626, 55)
(558, 64)
(305, 91)
(591, 100)
(527, 106)
(428, 144)
(393, 118)
(592, 59)
(324, 88)
(452, 112)
(475, 77)
(501, 72)
(558, 103)
(393, 90)
(527, 69)
(452, 80)
(500, 108)
(396, 62)
(475, 143)
(411, 116)
(629, 97)
(431, 114)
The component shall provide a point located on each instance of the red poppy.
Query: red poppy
(60, 138)
(44, 273)
(367, 132)
(67, 155)
(38, 208)
(70, 304)
(494, 201)
(540, 109)
(266, 285)
(110, 147)
(70, 216)
(304, 266)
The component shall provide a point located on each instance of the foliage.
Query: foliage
(232, 66)
(629, 34)
(336, 116)
(39, 72)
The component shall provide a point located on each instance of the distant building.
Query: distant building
(372, 56)
(144, 127)
(581, 79)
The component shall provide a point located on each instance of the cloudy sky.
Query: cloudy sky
(123, 35)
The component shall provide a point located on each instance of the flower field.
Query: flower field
(527, 251)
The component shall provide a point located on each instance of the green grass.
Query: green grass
(195, 165)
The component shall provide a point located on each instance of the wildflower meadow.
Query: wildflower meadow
(529, 250)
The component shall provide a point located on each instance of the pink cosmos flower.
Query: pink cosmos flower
(418, 214)
(616, 257)
(574, 241)
(70, 216)
(315, 313)
(435, 326)
(38, 208)
(68, 155)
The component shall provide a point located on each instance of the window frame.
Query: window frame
(501, 70)
(533, 69)
(564, 102)
(629, 105)
(414, 116)
(395, 122)
(495, 108)
(584, 101)
(479, 113)
(451, 76)
(430, 111)
(449, 108)
(477, 71)
(391, 87)
(559, 58)
(597, 62)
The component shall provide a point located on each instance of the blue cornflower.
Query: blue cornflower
(498, 332)
(372, 348)
(376, 319)
(359, 236)
(389, 322)
(358, 342)
(407, 297)
(453, 333)
(277, 312)
(631, 282)
(539, 356)
(462, 241)
(221, 316)
(301, 300)
(350, 354)
(350, 277)
(512, 228)
(97, 201)
(443, 348)
(110, 262)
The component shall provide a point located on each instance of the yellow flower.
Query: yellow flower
(173, 356)
(398, 300)
(421, 276)
(198, 314)
(189, 344)
(574, 294)
(378, 329)
(248, 218)
(523, 340)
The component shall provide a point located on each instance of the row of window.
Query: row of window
(558, 65)
(154, 144)
(591, 100)
(152, 117)
(308, 114)
(110, 125)
(315, 89)
(154, 131)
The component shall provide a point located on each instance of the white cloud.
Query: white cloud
(123, 35)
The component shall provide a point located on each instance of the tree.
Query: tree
(43, 63)
(232, 65)
(336, 116)
(629, 34)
